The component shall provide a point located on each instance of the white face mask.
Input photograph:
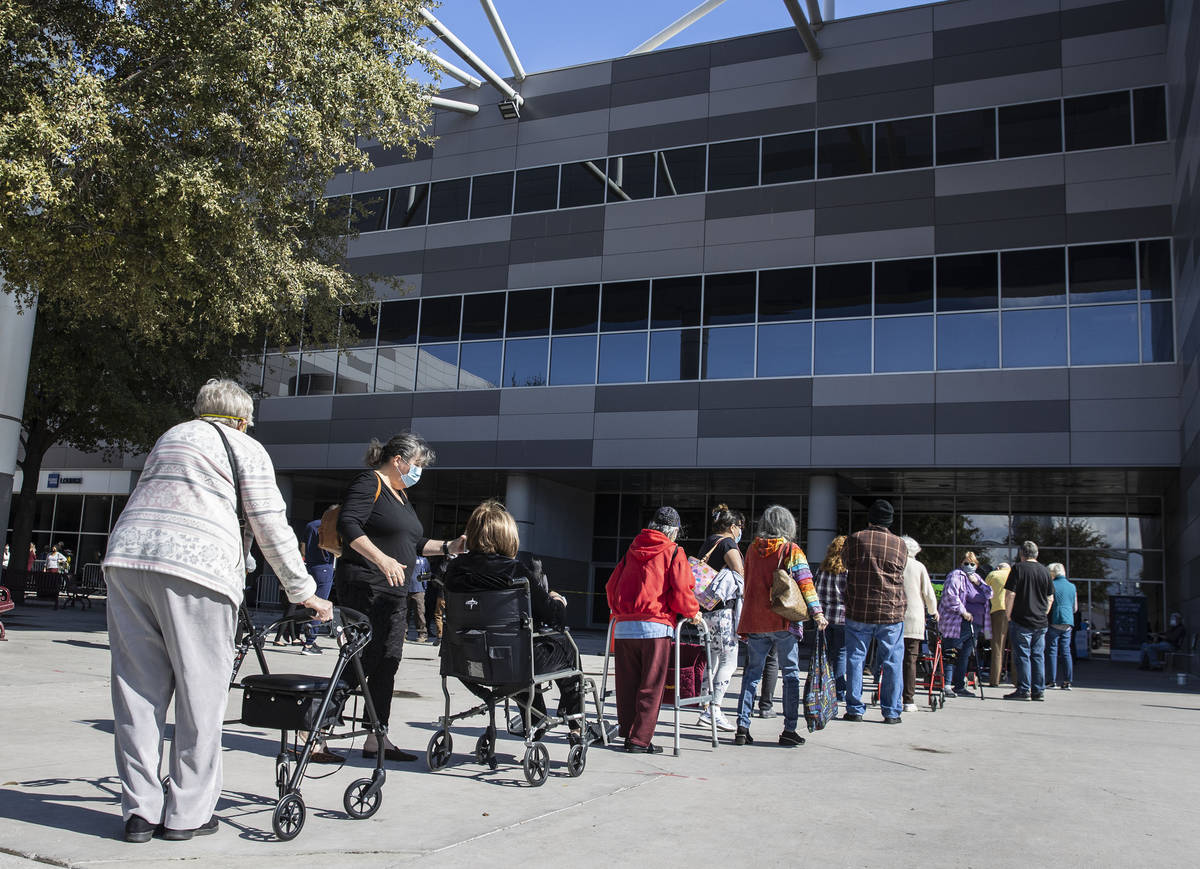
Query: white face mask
(412, 477)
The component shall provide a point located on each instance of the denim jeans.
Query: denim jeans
(1028, 658)
(835, 640)
(890, 639)
(322, 574)
(1058, 648)
(757, 648)
(1150, 652)
(964, 646)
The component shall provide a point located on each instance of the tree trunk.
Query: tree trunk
(38, 440)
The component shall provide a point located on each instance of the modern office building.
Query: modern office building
(953, 262)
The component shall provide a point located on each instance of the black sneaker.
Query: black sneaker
(790, 737)
(1066, 686)
(206, 829)
(766, 713)
(1041, 698)
(887, 720)
(138, 829)
(1016, 695)
(634, 748)
(743, 737)
(851, 716)
(963, 692)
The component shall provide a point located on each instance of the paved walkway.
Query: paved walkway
(1105, 775)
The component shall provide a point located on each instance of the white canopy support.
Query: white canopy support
(470, 57)
(803, 28)
(450, 69)
(454, 105)
(814, 15)
(510, 53)
(676, 27)
(612, 185)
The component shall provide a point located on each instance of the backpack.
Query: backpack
(327, 536)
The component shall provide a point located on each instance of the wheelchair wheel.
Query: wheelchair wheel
(485, 748)
(288, 819)
(576, 760)
(282, 774)
(358, 804)
(437, 755)
(537, 764)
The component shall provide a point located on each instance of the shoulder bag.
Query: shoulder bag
(786, 600)
(327, 536)
(706, 578)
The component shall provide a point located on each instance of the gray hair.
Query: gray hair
(226, 401)
(407, 445)
(1029, 550)
(671, 531)
(777, 521)
(1056, 570)
(913, 546)
(1003, 565)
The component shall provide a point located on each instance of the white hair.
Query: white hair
(1056, 570)
(913, 546)
(226, 402)
(777, 521)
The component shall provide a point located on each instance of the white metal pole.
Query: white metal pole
(814, 14)
(510, 52)
(677, 26)
(450, 69)
(454, 105)
(470, 57)
(803, 28)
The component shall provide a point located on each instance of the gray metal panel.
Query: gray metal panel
(466, 256)
(380, 405)
(646, 424)
(456, 428)
(558, 399)
(1132, 162)
(1125, 414)
(754, 452)
(1003, 449)
(1014, 60)
(732, 395)
(466, 454)
(775, 419)
(1001, 205)
(856, 110)
(1125, 381)
(647, 397)
(689, 234)
(467, 403)
(993, 234)
(875, 80)
(869, 189)
(773, 254)
(360, 431)
(572, 150)
(654, 212)
(345, 456)
(1104, 47)
(565, 127)
(561, 104)
(892, 51)
(872, 28)
(1114, 74)
(892, 451)
(964, 14)
(447, 165)
(535, 426)
(988, 386)
(765, 97)
(874, 217)
(646, 114)
(872, 389)
(575, 246)
(759, 71)
(658, 136)
(478, 280)
(387, 264)
(1110, 16)
(292, 432)
(456, 236)
(1120, 448)
(661, 87)
(663, 62)
(551, 223)
(644, 453)
(652, 264)
(287, 457)
(572, 78)
(776, 43)
(554, 272)
(873, 419)
(885, 244)
(758, 200)
(982, 417)
(544, 454)
(298, 408)
(1143, 192)
(1104, 225)
(1000, 175)
(783, 119)
(1014, 29)
(411, 239)
(398, 175)
(759, 227)
(998, 90)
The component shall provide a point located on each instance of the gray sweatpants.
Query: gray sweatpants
(168, 636)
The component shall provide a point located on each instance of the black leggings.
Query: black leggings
(388, 614)
(550, 654)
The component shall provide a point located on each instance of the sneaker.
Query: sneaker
(206, 829)
(910, 707)
(705, 720)
(1038, 697)
(891, 720)
(138, 829)
(851, 716)
(724, 723)
(743, 737)
(964, 692)
(790, 738)
(1066, 686)
(634, 748)
(422, 638)
(948, 693)
(1016, 695)
(312, 649)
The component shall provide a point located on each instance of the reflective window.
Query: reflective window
(966, 282)
(337, 211)
(491, 195)
(1104, 334)
(680, 170)
(396, 369)
(675, 302)
(479, 367)
(1096, 121)
(632, 176)
(96, 509)
(525, 362)
(728, 352)
(729, 298)
(785, 350)
(537, 190)
(576, 309)
(968, 341)
(966, 137)
(356, 372)
(842, 347)
(1150, 115)
(317, 373)
(675, 354)
(448, 200)
(581, 184)
(440, 317)
(1030, 128)
(1034, 338)
(1158, 333)
(528, 313)
(437, 367)
(483, 316)
(1033, 277)
(573, 360)
(622, 358)
(843, 291)
(398, 321)
(67, 510)
(904, 286)
(844, 151)
(624, 305)
(368, 212)
(359, 325)
(791, 157)
(903, 344)
(1102, 272)
(904, 144)
(409, 206)
(1154, 260)
(784, 294)
(733, 164)
(279, 375)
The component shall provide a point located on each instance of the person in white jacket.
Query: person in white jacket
(921, 600)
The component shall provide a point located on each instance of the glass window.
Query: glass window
(843, 291)
(491, 195)
(622, 358)
(904, 286)
(528, 313)
(785, 350)
(525, 362)
(904, 144)
(968, 341)
(624, 305)
(398, 322)
(733, 164)
(1033, 277)
(784, 294)
(1031, 128)
(729, 298)
(680, 170)
(1158, 333)
(483, 316)
(791, 157)
(409, 206)
(537, 190)
(903, 344)
(317, 373)
(67, 510)
(1154, 260)
(842, 347)
(675, 354)
(368, 211)
(440, 318)
(395, 369)
(1145, 531)
(633, 176)
(448, 200)
(359, 325)
(279, 375)
(581, 184)
(675, 302)
(337, 212)
(576, 309)
(728, 353)
(1097, 120)
(1035, 338)
(573, 360)
(966, 282)
(355, 371)
(437, 367)
(96, 509)
(479, 367)
(966, 137)
(44, 515)
(1150, 114)
(1104, 334)
(1102, 272)
(844, 151)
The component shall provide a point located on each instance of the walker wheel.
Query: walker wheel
(282, 774)
(485, 747)
(537, 764)
(437, 755)
(358, 802)
(288, 819)
(576, 760)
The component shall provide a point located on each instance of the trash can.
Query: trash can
(1083, 641)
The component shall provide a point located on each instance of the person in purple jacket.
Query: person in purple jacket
(954, 617)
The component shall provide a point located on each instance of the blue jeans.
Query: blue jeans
(323, 575)
(964, 646)
(890, 639)
(1150, 652)
(786, 648)
(1058, 648)
(835, 640)
(1028, 654)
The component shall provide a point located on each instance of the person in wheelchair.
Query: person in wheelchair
(490, 563)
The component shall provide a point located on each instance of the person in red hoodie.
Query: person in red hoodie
(647, 593)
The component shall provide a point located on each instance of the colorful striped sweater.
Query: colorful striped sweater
(762, 558)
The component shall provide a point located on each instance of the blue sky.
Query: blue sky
(548, 35)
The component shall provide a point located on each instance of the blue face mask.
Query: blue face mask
(968, 568)
(412, 477)
(737, 538)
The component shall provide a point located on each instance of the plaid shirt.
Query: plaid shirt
(831, 589)
(875, 559)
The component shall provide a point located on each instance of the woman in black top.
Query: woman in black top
(381, 538)
(722, 549)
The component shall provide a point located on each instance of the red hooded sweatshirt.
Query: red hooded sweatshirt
(653, 582)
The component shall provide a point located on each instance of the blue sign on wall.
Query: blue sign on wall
(52, 481)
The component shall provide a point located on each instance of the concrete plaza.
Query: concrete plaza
(1105, 775)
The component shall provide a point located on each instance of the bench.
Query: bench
(1183, 661)
(83, 586)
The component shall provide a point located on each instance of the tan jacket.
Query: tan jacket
(921, 599)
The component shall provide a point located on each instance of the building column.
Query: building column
(822, 516)
(16, 344)
(521, 498)
(284, 483)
